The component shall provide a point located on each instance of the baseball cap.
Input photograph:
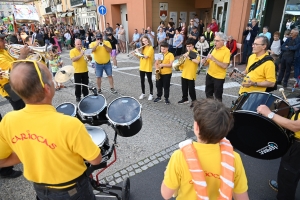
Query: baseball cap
(3, 35)
(99, 35)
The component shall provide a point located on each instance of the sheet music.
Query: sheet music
(158, 56)
(88, 52)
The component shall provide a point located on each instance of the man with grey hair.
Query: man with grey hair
(46, 148)
(290, 49)
(218, 62)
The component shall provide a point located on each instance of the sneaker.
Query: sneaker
(273, 184)
(167, 101)
(150, 97)
(112, 90)
(182, 101)
(229, 66)
(158, 99)
(99, 91)
(142, 96)
(78, 99)
(115, 67)
(13, 174)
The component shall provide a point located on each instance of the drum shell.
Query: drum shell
(130, 130)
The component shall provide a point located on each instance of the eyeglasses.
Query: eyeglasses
(255, 44)
(189, 45)
(37, 69)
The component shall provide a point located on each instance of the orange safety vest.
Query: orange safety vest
(198, 176)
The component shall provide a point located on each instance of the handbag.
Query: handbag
(14, 97)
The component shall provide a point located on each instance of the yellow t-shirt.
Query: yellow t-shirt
(297, 134)
(189, 68)
(50, 145)
(147, 63)
(79, 65)
(101, 56)
(5, 64)
(223, 55)
(178, 176)
(168, 58)
(264, 72)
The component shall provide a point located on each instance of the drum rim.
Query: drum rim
(267, 93)
(97, 127)
(128, 123)
(75, 110)
(94, 113)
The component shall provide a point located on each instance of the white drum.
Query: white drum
(99, 137)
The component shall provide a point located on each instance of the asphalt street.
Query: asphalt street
(144, 156)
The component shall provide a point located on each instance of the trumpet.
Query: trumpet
(4, 74)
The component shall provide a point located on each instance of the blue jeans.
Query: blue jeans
(83, 191)
(100, 67)
(297, 67)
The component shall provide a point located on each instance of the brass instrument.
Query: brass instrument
(178, 62)
(38, 53)
(84, 55)
(136, 53)
(157, 70)
(4, 74)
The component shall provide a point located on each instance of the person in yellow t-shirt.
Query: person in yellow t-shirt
(16, 102)
(218, 62)
(288, 172)
(81, 74)
(101, 50)
(178, 179)
(53, 157)
(165, 67)
(146, 63)
(264, 75)
(188, 77)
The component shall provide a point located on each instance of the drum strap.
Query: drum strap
(260, 62)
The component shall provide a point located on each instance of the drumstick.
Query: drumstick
(282, 91)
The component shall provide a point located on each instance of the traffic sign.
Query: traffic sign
(102, 10)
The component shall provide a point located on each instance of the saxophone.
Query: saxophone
(85, 56)
(157, 70)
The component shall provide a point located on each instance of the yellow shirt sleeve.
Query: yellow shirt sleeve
(82, 144)
(72, 54)
(5, 149)
(240, 179)
(173, 173)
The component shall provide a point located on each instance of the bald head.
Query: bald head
(25, 81)
(78, 44)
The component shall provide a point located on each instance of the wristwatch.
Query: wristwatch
(271, 115)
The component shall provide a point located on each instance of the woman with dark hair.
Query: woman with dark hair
(170, 35)
(177, 43)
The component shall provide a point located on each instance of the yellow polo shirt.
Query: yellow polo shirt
(189, 68)
(50, 145)
(168, 58)
(101, 56)
(178, 177)
(147, 63)
(79, 65)
(223, 55)
(5, 64)
(264, 72)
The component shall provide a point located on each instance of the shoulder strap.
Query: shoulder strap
(296, 115)
(260, 62)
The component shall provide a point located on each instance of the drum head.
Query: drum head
(97, 134)
(92, 105)
(258, 136)
(124, 111)
(67, 109)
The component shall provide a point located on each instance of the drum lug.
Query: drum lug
(117, 145)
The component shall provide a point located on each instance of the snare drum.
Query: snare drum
(125, 114)
(67, 109)
(99, 137)
(93, 106)
(256, 135)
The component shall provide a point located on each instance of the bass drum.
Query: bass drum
(256, 135)
(125, 114)
(67, 109)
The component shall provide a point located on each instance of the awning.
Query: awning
(292, 12)
(70, 14)
(63, 14)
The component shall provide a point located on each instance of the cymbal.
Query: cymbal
(64, 74)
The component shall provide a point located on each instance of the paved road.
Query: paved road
(143, 157)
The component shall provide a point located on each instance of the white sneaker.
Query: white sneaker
(150, 97)
(142, 96)
(115, 67)
(229, 66)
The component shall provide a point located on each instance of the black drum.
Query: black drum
(93, 106)
(256, 135)
(125, 114)
(67, 109)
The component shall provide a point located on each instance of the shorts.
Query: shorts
(68, 42)
(113, 53)
(100, 67)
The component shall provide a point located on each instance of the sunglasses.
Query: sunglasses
(37, 69)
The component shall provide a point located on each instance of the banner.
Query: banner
(25, 13)
(163, 11)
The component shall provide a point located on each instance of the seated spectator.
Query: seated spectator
(135, 40)
(161, 37)
(202, 46)
(266, 33)
(231, 45)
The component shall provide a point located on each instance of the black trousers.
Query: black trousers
(214, 87)
(17, 105)
(163, 83)
(149, 77)
(247, 50)
(285, 69)
(188, 86)
(289, 173)
(84, 79)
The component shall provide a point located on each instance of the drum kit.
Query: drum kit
(123, 115)
(256, 135)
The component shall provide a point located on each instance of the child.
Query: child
(221, 169)
(55, 63)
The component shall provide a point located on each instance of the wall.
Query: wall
(203, 3)
(274, 13)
